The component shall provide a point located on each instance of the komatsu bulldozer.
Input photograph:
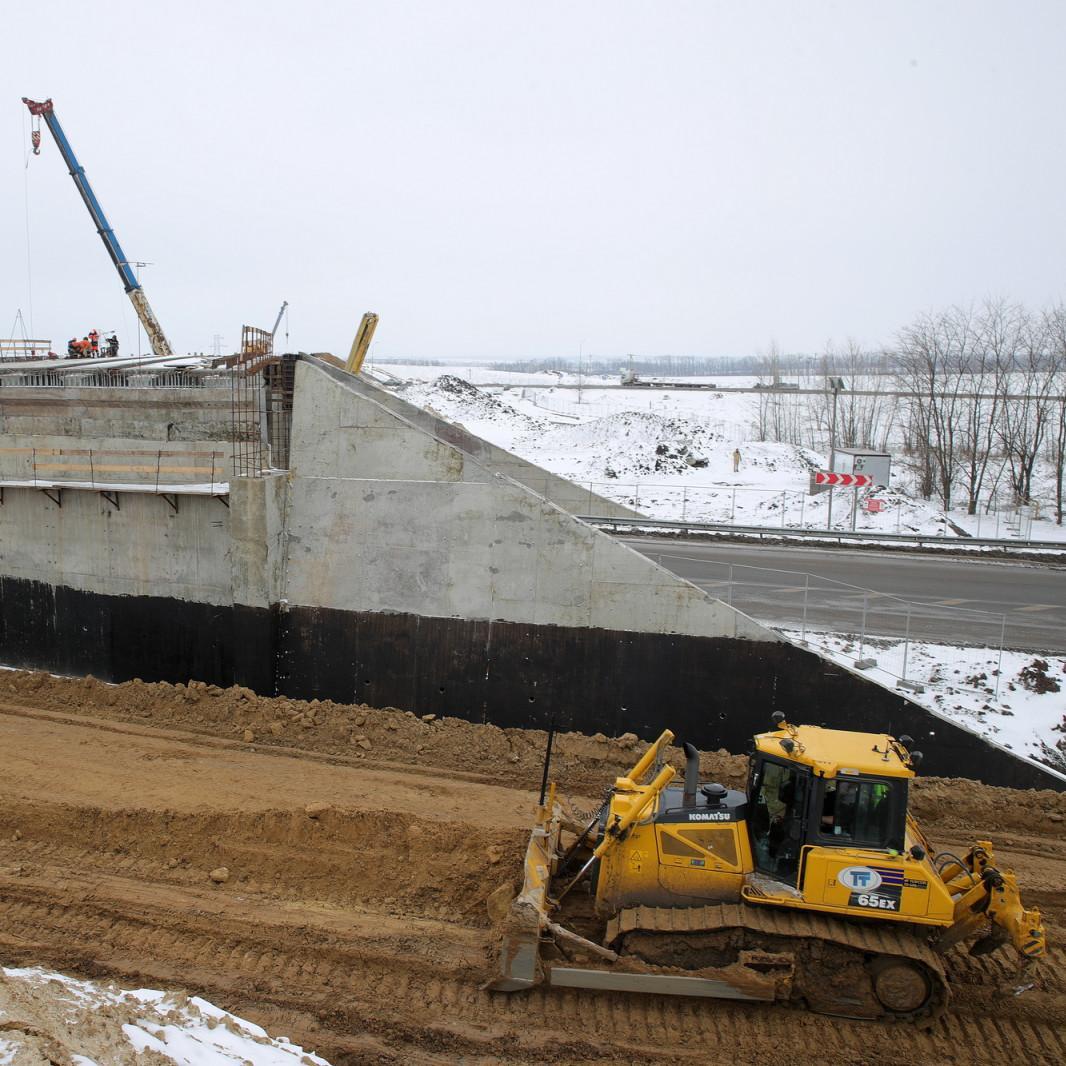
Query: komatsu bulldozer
(816, 886)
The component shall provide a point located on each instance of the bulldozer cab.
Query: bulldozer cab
(803, 797)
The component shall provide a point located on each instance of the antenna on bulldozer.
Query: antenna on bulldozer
(547, 759)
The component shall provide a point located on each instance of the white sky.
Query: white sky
(501, 179)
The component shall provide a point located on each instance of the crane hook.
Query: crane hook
(35, 137)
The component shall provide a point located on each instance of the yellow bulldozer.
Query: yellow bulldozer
(815, 886)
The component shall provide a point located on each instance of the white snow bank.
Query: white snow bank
(627, 445)
(1027, 716)
(669, 454)
(92, 1024)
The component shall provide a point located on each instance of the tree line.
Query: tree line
(986, 389)
(975, 395)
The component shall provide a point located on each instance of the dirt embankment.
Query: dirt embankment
(322, 870)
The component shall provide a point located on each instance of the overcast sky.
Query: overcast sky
(501, 179)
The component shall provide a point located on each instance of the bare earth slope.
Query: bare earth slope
(360, 847)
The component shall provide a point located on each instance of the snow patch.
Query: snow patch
(94, 1023)
(1026, 716)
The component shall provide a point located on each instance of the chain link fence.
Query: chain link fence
(794, 509)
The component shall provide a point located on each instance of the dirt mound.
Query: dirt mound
(366, 734)
(958, 803)
(458, 400)
(632, 444)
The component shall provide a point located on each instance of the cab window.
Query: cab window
(862, 812)
(778, 819)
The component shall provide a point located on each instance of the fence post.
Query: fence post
(783, 505)
(862, 631)
(589, 511)
(92, 469)
(684, 501)
(33, 459)
(730, 589)
(733, 512)
(636, 497)
(803, 504)
(806, 591)
(158, 462)
(906, 642)
(899, 511)
(999, 669)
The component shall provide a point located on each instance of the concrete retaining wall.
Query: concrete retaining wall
(143, 549)
(567, 495)
(200, 414)
(414, 524)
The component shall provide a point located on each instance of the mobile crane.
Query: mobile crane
(156, 336)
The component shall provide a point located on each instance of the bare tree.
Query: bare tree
(999, 330)
(1055, 325)
(1027, 410)
(932, 352)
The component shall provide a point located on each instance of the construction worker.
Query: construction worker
(112, 346)
(736, 460)
(94, 343)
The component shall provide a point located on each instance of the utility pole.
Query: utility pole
(836, 384)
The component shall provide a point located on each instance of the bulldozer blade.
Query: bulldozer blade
(655, 984)
(518, 963)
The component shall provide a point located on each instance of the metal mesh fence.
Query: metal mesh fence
(871, 628)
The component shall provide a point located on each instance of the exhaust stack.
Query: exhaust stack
(692, 774)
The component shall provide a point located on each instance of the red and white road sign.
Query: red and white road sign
(851, 481)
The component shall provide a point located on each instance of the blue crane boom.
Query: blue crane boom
(156, 336)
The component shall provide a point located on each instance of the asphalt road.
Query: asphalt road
(956, 600)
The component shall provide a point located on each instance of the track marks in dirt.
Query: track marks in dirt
(418, 988)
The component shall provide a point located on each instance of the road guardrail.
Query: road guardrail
(840, 536)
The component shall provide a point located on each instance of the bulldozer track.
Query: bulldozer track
(361, 933)
(865, 938)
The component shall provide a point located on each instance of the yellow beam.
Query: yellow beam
(361, 344)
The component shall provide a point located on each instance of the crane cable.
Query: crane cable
(36, 140)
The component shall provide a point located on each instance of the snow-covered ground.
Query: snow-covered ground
(48, 1018)
(1026, 715)
(669, 454)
